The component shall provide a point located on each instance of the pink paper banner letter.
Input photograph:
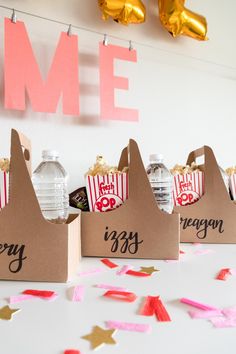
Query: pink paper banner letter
(108, 83)
(22, 73)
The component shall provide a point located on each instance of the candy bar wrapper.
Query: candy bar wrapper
(232, 185)
(4, 188)
(79, 199)
(188, 188)
(107, 192)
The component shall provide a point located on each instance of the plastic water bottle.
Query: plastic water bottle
(161, 182)
(50, 184)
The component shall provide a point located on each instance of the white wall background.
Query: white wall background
(185, 90)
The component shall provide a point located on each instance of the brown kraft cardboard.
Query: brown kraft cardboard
(136, 229)
(32, 248)
(212, 219)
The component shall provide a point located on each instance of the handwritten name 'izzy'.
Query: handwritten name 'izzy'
(123, 241)
(12, 250)
(202, 225)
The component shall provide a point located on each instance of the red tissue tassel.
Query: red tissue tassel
(223, 274)
(137, 274)
(121, 295)
(40, 293)
(152, 305)
(108, 263)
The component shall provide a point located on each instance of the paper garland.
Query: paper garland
(198, 305)
(121, 295)
(108, 263)
(133, 327)
(223, 274)
(205, 314)
(39, 293)
(78, 293)
(124, 269)
(137, 274)
(153, 305)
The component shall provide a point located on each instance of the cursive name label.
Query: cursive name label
(14, 250)
(202, 225)
(123, 241)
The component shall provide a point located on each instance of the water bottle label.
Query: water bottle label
(153, 179)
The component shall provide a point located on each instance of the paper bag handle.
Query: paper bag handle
(124, 159)
(214, 183)
(26, 149)
(21, 191)
(140, 190)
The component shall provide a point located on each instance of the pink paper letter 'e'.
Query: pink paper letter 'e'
(108, 82)
(22, 73)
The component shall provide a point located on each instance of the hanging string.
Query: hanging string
(117, 38)
(13, 16)
(105, 40)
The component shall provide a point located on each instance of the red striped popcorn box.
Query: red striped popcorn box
(188, 188)
(107, 192)
(4, 188)
(232, 185)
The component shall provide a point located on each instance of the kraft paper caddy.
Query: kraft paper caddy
(138, 228)
(212, 219)
(31, 248)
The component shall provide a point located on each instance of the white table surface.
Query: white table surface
(43, 327)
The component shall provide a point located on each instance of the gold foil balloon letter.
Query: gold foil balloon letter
(123, 11)
(180, 21)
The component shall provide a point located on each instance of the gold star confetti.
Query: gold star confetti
(6, 313)
(148, 270)
(100, 336)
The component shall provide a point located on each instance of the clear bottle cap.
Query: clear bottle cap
(50, 154)
(156, 158)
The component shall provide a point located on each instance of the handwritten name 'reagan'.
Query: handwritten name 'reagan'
(202, 225)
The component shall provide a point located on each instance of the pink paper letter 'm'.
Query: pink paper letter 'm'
(22, 73)
(108, 82)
